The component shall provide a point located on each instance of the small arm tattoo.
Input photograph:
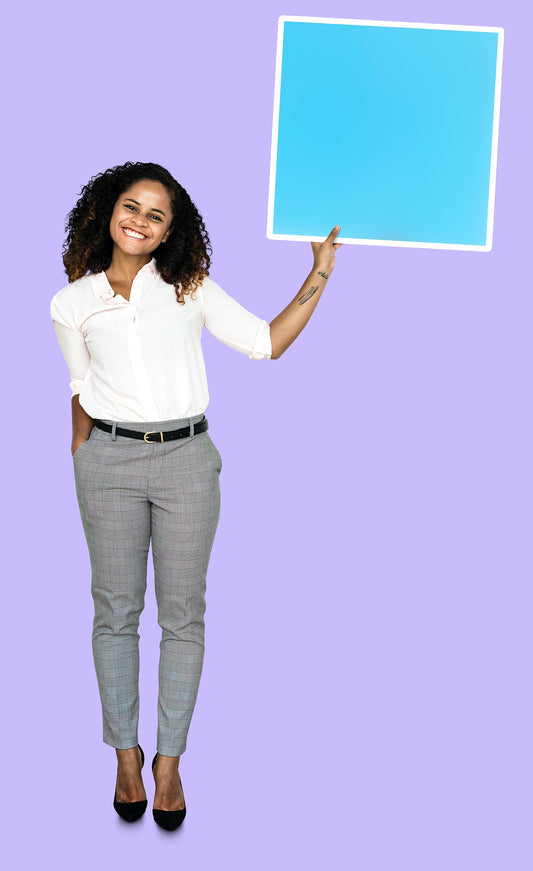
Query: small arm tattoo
(323, 274)
(307, 296)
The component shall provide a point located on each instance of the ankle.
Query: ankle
(164, 765)
(131, 756)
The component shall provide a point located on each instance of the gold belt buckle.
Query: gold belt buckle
(152, 432)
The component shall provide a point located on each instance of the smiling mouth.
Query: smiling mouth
(133, 233)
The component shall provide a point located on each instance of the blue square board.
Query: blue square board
(389, 129)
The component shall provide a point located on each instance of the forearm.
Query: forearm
(290, 322)
(82, 424)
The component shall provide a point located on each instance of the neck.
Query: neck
(126, 266)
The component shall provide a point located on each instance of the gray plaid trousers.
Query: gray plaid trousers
(129, 493)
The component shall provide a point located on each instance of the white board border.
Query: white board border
(495, 129)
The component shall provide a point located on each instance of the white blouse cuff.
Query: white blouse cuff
(262, 347)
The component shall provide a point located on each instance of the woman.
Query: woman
(129, 326)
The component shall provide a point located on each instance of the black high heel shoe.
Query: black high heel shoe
(131, 810)
(169, 820)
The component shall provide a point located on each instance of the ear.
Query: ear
(167, 234)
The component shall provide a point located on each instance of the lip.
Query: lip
(131, 230)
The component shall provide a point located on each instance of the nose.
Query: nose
(139, 219)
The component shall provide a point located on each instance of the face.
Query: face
(141, 218)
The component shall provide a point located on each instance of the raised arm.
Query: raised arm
(291, 321)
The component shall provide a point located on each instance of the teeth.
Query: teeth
(135, 235)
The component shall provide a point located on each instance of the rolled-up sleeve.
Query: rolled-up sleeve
(230, 323)
(72, 344)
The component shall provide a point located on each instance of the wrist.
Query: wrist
(79, 436)
(75, 445)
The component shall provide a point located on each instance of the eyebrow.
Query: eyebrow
(131, 200)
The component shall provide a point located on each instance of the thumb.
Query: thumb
(333, 234)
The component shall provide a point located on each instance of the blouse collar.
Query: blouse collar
(103, 290)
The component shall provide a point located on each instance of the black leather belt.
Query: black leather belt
(168, 436)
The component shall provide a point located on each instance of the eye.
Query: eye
(129, 206)
(155, 217)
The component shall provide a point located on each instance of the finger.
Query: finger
(333, 233)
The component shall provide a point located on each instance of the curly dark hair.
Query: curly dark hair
(183, 261)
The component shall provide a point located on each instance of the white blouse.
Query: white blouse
(141, 360)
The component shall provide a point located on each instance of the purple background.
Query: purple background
(366, 699)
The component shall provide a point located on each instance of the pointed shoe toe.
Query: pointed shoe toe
(130, 810)
(169, 820)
